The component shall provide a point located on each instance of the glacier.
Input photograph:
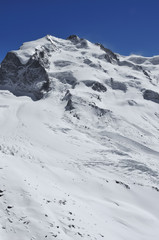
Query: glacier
(79, 142)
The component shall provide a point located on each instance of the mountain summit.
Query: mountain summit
(79, 143)
(38, 66)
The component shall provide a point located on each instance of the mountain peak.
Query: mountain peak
(51, 61)
(81, 160)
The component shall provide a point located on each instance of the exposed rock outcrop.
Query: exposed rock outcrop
(151, 95)
(117, 85)
(30, 79)
(96, 86)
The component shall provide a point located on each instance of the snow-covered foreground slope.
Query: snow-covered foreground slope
(83, 161)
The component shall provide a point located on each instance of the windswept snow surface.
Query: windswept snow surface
(83, 161)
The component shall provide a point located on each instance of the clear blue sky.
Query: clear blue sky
(125, 26)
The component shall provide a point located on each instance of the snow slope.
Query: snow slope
(82, 162)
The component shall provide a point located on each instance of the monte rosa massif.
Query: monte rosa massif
(79, 143)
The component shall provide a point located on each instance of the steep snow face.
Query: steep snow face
(82, 161)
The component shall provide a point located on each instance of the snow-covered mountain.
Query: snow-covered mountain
(79, 143)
